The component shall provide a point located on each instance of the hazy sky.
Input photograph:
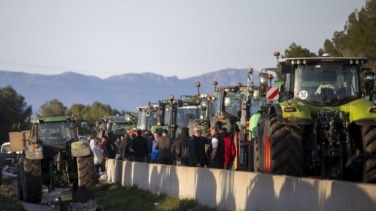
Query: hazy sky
(168, 37)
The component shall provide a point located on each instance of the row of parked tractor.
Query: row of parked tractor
(318, 120)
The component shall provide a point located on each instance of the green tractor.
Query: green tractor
(54, 156)
(207, 105)
(233, 110)
(147, 116)
(174, 114)
(321, 125)
(114, 126)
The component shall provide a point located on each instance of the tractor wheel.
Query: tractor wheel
(31, 180)
(86, 173)
(369, 145)
(281, 148)
(19, 179)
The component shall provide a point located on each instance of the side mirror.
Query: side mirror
(227, 101)
(84, 124)
(263, 77)
(256, 95)
(369, 81)
(204, 105)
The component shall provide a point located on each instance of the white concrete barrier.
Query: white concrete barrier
(237, 190)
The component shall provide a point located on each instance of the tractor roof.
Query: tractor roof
(54, 119)
(323, 59)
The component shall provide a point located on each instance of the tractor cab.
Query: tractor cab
(322, 81)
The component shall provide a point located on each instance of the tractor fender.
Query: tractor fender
(253, 124)
(291, 114)
(80, 149)
(365, 122)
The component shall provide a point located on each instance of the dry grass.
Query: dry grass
(8, 196)
(113, 197)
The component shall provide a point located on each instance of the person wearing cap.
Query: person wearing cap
(196, 145)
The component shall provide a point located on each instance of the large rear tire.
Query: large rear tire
(31, 180)
(86, 173)
(369, 146)
(281, 149)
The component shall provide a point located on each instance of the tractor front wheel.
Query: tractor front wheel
(86, 173)
(31, 180)
(281, 149)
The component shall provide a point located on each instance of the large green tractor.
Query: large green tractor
(54, 156)
(321, 126)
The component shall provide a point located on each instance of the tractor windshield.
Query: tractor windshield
(146, 119)
(327, 84)
(232, 103)
(228, 102)
(141, 119)
(56, 132)
(184, 114)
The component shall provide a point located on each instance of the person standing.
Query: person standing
(117, 143)
(149, 138)
(181, 148)
(216, 149)
(110, 148)
(164, 146)
(196, 145)
(140, 147)
(154, 154)
(229, 146)
(124, 146)
(98, 158)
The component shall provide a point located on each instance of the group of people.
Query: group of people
(216, 151)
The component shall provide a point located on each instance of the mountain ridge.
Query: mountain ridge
(123, 92)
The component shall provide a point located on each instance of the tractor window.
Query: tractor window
(326, 84)
(185, 113)
(211, 109)
(235, 103)
(141, 121)
(55, 132)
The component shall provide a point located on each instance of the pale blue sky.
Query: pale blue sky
(168, 37)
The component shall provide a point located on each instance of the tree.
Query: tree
(52, 108)
(358, 37)
(295, 50)
(14, 112)
(91, 113)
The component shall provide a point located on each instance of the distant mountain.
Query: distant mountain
(122, 92)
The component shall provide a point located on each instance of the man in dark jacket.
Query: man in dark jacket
(196, 145)
(140, 147)
(164, 146)
(181, 148)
